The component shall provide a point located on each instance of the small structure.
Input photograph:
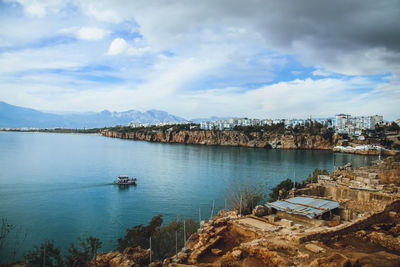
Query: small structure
(307, 206)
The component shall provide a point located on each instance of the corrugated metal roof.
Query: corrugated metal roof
(307, 206)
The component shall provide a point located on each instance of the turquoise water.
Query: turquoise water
(59, 186)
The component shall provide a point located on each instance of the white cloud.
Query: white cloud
(40, 8)
(206, 57)
(320, 72)
(86, 33)
(120, 46)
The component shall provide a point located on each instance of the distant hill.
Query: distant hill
(20, 117)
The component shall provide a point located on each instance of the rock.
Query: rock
(182, 256)
(334, 260)
(260, 211)
(229, 138)
(314, 248)
(216, 251)
(237, 254)
(303, 256)
(129, 257)
(286, 222)
(121, 261)
(348, 165)
(220, 222)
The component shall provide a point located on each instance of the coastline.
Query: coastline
(253, 139)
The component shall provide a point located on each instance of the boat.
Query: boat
(125, 180)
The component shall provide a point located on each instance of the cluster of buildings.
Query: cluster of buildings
(346, 124)
(234, 122)
(341, 123)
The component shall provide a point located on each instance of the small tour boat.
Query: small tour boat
(125, 180)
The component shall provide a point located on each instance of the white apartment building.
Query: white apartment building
(346, 124)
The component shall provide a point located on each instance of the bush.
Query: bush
(139, 235)
(281, 190)
(80, 257)
(313, 177)
(46, 254)
(163, 237)
(248, 194)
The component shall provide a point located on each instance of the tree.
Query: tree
(246, 195)
(163, 237)
(5, 230)
(19, 237)
(47, 254)
(281, 190)
(80, 257)
(139, 235)
(313, 177)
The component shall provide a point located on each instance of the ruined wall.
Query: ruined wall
(359, 224)
(229, 138)
(383, 172)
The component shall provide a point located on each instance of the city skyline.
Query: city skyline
(201, 59)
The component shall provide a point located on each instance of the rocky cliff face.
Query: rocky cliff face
(230, 138)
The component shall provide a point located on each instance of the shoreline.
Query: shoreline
(241, 139)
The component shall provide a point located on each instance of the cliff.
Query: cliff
(229, 138)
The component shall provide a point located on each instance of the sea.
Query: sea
(60, 186)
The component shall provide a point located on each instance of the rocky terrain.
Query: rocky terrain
(229, 138)
(270, 140)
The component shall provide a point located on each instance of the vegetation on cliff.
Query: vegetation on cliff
(163, 237)
(81, 255)
(282, 189)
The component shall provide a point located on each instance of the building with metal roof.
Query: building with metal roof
(307, 206)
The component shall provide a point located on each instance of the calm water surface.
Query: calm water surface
(59, 186)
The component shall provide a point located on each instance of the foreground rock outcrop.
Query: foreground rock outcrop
(130, 257)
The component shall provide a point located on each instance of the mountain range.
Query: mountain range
(19, 117)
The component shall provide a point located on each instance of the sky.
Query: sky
(229, 58)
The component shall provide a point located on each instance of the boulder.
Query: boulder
(334, 260)
(260, 211)
(314, 248)
(237, 254)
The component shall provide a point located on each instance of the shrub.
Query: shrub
(248, 194)
(80, 257)
(281, 190)
(163, 237)
(47, 254)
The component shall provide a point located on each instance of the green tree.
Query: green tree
(163, 237)
(313, 177)
(139, 235)
(47, 254)
(5, 230)
(80, 256)
(281, 190)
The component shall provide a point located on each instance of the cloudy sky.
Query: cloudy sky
(265, 59)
